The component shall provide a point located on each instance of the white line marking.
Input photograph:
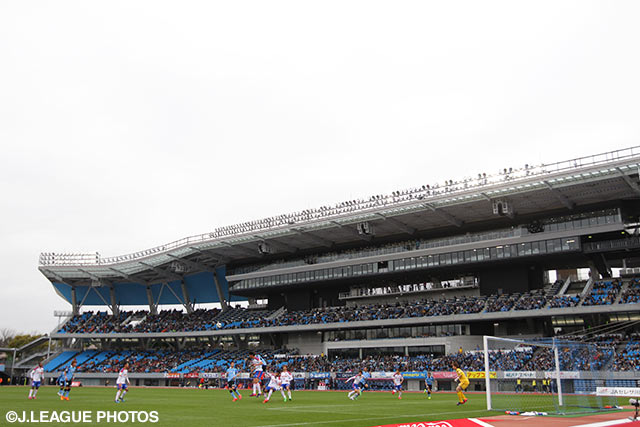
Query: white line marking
(368, 419)
(607, 423)
(479, 422)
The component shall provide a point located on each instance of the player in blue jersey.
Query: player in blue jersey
(66, 379)
(232, 375)
(429, 382)
(366, 375)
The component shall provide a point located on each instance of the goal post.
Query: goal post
(513, 379)
(546, 375)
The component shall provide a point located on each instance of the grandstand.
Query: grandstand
(408, 280)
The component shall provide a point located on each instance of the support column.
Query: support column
(74, 301)
(152, 305)
(185, 297)
(221, 297)
(115, 309)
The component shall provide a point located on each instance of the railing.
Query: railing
(449, 187)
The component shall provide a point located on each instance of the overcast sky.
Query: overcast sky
(128, 124)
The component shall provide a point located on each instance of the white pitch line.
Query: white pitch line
(480, 422)
(607, 423)
(366, 419)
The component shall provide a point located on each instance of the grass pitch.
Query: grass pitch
(193, 407)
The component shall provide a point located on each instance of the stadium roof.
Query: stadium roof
(528, 190)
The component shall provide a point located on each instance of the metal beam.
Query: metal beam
(284, 246)
(444, 215)
(221, 297)
(221, 258)
(353, 231)
(628, 180)
(193, 264)
(322, 241)
(244, 250)
(568, 203)
(165, 273)
(398, 224)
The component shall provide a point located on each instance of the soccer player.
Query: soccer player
(366, 375)
(398, 379)
(274, 385)
(356, 386)
(122, 383)
(428, 384)
(66, 379)
(463, 383)
(257, 366)
(285, 380)
(36, 379)
(232, 374)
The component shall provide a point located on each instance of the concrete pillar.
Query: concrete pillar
(74, 301)
(152, 305)
(185, 297)
(221, 297)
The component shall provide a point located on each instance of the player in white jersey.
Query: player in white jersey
(398, 379)
(274, 385)
(356, 387)
(122, 383)
(285, 382)
(37, 375)
(257, 364)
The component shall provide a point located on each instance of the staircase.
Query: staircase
(279, 312)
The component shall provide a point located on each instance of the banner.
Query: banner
(381, 375)
(446, 375)
(479, 375)
(192, 375)
(299, 375)
(76, 384)
(520, 374)
(618, 391)
(317, 375)
(171, 375)
(244, 375)
(211, 375)
(564, 375)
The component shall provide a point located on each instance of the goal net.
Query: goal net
(552, 376)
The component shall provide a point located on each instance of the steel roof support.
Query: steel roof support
(445, 215)
(221, 297)
(353, 231)
(186, 302)
(398, 224)
(561, 197)
(322, 241)
(75, 309)
(630, 183)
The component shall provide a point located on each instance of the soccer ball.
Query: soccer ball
(219, 325)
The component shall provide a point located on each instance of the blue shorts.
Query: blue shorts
(122, 386)
(284, 385)
(355, 386)
(35, 384)
(398, 387)
(258, 375)
(267, 388)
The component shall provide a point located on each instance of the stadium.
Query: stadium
(527, 279)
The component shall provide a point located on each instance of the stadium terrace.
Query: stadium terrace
(408, 281)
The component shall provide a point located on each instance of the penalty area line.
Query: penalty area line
(367, 419)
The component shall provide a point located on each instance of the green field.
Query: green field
(193, 407)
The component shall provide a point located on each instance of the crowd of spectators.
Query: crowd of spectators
(531, 301)
(632, 294)
(564, 301)
(629, 358)
(603, 292)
